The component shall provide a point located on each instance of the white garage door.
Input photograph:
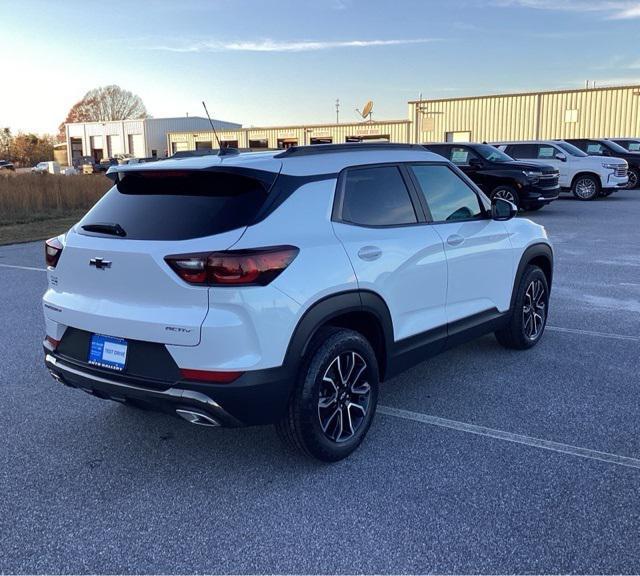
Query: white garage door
(114, 142)
(136, 145)
(179, 146)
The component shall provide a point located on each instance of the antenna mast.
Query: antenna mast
(337, 110)
(212, 126)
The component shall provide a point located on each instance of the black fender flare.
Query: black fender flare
(533, 252)
(326, 309)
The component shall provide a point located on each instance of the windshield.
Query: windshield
(631, 145)
(492, 154)
(571, 149)
(614, 147)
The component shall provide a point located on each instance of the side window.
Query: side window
(377, 196)
(519, 151)
(594, 148)
(448, 196)
(461, 155)
(546, 152)
(443, 151)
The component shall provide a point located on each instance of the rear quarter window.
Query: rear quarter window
(157, 205)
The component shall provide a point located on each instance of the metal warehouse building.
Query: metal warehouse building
(587, 113)
(286, 136)
(140, 138)
(584, 113)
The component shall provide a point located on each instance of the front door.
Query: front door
(547, 153)
(393, 254)
(480, 259)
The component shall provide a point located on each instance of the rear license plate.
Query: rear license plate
(108, 352)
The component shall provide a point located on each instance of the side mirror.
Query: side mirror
(502, 209)
(475, 163)
(562, 157)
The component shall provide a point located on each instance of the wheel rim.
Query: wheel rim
(505, 195)
(585, 188)
(344, 397)
(633, 179)
(534, 311)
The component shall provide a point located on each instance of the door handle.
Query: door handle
(455, 240)
(369, 253)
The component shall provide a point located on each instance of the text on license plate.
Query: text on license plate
(108, 352)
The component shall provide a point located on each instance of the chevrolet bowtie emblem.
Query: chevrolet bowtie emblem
(99, 263)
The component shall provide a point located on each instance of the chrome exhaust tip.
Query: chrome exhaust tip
(198, 418)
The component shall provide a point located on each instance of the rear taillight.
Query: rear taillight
(52, 250)
(255, 267)
(52, 342)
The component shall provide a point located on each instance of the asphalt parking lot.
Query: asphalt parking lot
(482, 460)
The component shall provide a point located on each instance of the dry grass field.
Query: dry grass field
(37, 206)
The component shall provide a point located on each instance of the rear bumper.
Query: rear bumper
(258, 397)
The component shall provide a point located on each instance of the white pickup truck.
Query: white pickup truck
(586, 176)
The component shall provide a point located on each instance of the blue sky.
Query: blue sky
(266, 62)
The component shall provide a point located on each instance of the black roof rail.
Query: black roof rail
(314, 149)
(226, 151)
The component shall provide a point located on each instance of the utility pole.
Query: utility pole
(337, 110)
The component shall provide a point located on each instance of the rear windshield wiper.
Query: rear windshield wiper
(105, 228)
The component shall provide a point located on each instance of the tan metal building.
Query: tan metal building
(285, 136)
(583, 113)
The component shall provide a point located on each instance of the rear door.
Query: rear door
(380, 222)
(112, 277)
(480, 259)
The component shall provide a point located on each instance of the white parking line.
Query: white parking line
(510, 437)
(593, 333)
(23, 267)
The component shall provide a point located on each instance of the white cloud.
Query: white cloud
(284, 46)
(611, 9)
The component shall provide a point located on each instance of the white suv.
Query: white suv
(282, 287)
(586, 176)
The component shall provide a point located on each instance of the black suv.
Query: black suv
(604, 147)
(529, 186)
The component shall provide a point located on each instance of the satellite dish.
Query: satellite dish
(368, 108)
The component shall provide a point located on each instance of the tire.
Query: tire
(328, 379)
(585, 187)
(506, 192)
(527, 323)
(634, 179)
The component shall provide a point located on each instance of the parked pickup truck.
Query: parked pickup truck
(528, 185)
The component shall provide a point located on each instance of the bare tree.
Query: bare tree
(104, 104)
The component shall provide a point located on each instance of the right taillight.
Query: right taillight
(52, 250)
(256, 267)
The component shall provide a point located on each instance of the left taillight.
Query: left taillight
(52, 250)
(256, 267)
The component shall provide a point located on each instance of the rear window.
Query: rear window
(377, 197)
(179, 205)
